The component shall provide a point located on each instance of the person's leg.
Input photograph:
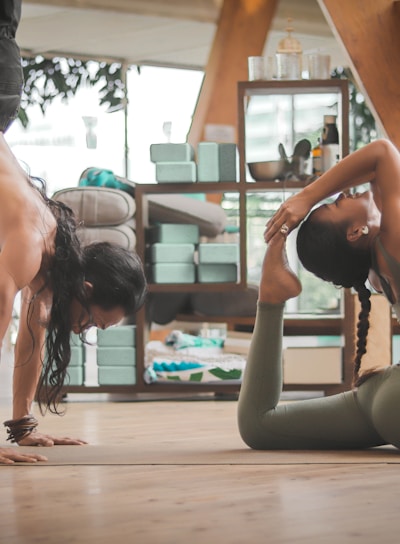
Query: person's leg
(379, 399)
(11, 76)
(11, 81)
(334, 422)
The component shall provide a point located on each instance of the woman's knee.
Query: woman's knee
(256, 432)
(385, 411)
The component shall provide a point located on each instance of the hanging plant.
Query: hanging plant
(45, 79)
(363, 124)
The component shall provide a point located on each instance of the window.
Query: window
(73, 136)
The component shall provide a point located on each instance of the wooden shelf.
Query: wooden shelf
(315, 325)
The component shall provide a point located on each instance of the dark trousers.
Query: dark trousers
(11, 77)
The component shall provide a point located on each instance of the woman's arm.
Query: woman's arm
(29, 353)
(377, 162)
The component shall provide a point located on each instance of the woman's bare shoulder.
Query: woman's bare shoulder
(22, 256)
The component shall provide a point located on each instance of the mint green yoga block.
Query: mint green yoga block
(76, 375)
(218, 253)
(216, 162)
(171, 152)
(171, 233)
(173, 273)
(172, 253)
(77, 356)
(176, 172)
(75, 339)
(120, 336)
(116, 375)
(114, 356)
(216, 273)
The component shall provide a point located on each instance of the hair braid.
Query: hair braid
(364, 296)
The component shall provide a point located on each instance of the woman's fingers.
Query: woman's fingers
(45, 440)
(276, 225)
(9, 456)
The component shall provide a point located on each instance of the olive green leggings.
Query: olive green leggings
(356, 419)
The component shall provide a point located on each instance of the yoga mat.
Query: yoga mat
(133, 455)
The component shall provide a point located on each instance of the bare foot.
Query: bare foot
(278, 282)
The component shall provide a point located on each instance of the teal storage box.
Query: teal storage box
(216, 162)
(176, 172)
(218, 253)
(168, 152)
(116, 375)
(172, 233)
(113, 356)
(173, 273)
(216, 273)
(76, 375)
(172, 253)
(120, 336)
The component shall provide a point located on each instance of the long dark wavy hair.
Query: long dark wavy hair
(324, 250)
(117, 278)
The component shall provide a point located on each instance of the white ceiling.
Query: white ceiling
(176, 32)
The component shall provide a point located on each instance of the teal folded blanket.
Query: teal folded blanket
(181, 340)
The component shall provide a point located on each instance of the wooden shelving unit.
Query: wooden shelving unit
(296, 326)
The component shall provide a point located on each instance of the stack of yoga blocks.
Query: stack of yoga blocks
(176, 163)
(116, 355)
(177, 256)
(76, 367)
(217, 263)
(171, 252)
(174, 251)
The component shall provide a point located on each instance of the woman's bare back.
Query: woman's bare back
(27, 225)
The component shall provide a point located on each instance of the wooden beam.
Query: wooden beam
(242, 32)
(369, 32)
(201, 10)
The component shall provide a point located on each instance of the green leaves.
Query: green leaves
(46, 79)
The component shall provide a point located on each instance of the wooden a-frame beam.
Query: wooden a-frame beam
(369, 32)
(241, 32)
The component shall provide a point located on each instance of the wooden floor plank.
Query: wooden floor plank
(223, 503)
(173, 505)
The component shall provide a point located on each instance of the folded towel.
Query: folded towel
(180, 340)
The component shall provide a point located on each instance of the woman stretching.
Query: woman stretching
(353, 240)
(361, 418)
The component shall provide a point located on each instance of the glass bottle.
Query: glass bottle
(330, 143)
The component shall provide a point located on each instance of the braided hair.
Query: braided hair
(324, 250)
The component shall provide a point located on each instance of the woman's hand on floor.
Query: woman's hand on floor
(39, 439)
(9, 456)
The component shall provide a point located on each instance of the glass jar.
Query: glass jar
(288, 57)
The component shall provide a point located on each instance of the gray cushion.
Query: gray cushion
(122, 235)
(173, 208)
(98, 206)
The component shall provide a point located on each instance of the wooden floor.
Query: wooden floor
(199, 502)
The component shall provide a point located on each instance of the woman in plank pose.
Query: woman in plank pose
(64, 287)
